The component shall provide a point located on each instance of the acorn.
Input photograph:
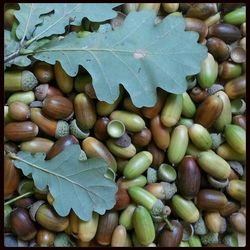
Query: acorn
(198, 95)
(20, 131)
(239, 120)
(9, 18)
(12, 177)
(229, 154)
(208, 111)
(170, 7)
(84, 111)
(178, 144)
(45, 90)
(128, 7)
(200, 136)
(122, 199)
(149, 6)
(128, 105)
(57, 107)
(236, 17)
(119, 237)
(229, 208)
(47, 217)
(64, 81)
(43, 72)
(224, 31)
(100, 128)
(210, 200)
(45, 238)
(229, 70)
(105, 109)
(151, 112)
(187, 170)
(238, 222)
(83, 83)
(188, 107)
(19, 111)
(197, 25)
(126, 215)
(158, 154)
(22, 225)
(60, 145)
(237, 190)
(218, 49)
(94, 148)
(214, 221)
(139, 181)
(142, 138)
(19, 81)
(171, 111)
(202, 10)
(24, 97)
(160, 133)
(106, 226)
(50, 127)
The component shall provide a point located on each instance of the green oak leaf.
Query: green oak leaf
(140, 55)
(74, 184)
(71, 13)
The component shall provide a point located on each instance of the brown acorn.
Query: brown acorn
(188, 170)
(106, 226)
(167, 238)
(12, 177)
(236, 88)
(224, 31)
(20, 131)
(158, 154)
(60, 145)
(218, 49)
(57, 107)
(160, 133)
(45, 238)
(229, 208)
(142, 138)
(100, 128)
(198, 95)
(22, 225)
(202, 10)
(210, 200)
(197, 25)
(122, 199)
(208, 111)
(19, 111)
(43, 72)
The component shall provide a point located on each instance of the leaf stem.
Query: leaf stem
(19, 197)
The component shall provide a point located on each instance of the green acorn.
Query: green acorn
(200, 136)
(236, 138)
(208, 73)
(188, 107)
(236, 17)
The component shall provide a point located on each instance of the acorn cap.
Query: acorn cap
(166, 173)
(188, 230)
(210, 238)
(116, 128)
(62, 129)
(215, 88)
(76, 131)
(124, 141)
(238, 107)
(217, 183)
(217, 140)
(29, 80)
(235, 165)
(169, 189)
(238, 55)
(157, 208)
(200, 227)
(151, 175)
(82, 156)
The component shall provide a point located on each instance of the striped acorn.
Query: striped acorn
(25, 97)
(122, 152)
(138, 164)
(139, 181)
(171, 111)
(143, 225)
(236, 88)
(236, 138)
(188, 107)
(126, 216)
(178, 144)
(225, 116)
(236, 17)
(229, 70)
(237, 190)
(214, 165)
(218, 49)
(209, 72)
(144, 198)
(200, 136)
(208, 111)
(229, 154)
(85, 111)
(94, 148)
(185, 209)
(132, 121)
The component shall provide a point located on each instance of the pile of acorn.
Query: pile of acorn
(179, 165)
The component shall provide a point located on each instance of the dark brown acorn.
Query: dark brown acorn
(198, 95)
(43, 72)
(100, 128)
(142, 138)
(158, 154)
(189, 177)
